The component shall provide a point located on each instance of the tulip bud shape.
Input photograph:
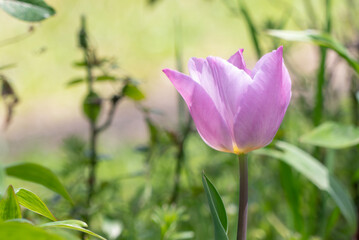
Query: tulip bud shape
(235, 109)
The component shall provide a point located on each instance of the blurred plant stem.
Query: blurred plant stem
(251, 27)
(184, 119)
(243, 197)
(93, 103)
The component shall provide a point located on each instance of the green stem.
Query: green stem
(243, 198)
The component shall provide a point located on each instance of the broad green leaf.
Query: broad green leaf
(218, 211)
(92, 106)
(38, 174)
(32, 202)
(320, 39)
(27, 10)
(18, 230)
(332, 135)
(71, 224)
(9, 206)
(132, 92)
(318, 174)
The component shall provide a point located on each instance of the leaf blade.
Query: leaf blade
(9, 206)
(32, 202)
(38, 174)
(218, 211)
(27, 10)
(71, 224)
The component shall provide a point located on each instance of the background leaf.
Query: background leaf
(92, 106)
(218, 211)
(332, 135)
(9, 206)
(38, 174)
(318, 174)
(27, 10)
(32, 202)
(321, 39)
(133, 92)
(72, 224)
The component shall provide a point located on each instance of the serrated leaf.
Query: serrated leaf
(133, 92)
(92, 106)
(38, 174)
(9, 206)
(318, 174)
(19, 230)
(321, 39)
(332, 135)
(32, 202)
(27, 10)
(218, 211)
(71, 224)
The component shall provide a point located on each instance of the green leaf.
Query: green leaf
(332, 135)
(38, 174)
(19, 230)
(32, 202)
(92, 106)
(318, 174)
(9, 206)
(71, 224)
(321, 39)
(2, 178)
(75, 81)
(132, 92)
(27, 10)
(218, 211)
(105, 78)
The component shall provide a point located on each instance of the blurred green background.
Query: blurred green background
(142, 37)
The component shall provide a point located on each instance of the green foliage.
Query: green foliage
(9, 206)
(20, 230)
(218, 211)
(332, 135)
(92, 106)
(321, 39)
(32, 202)
(38, 174)
(27, 10)
(71, 224)
(318, 174)
(131, 91)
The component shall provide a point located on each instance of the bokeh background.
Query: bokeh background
(142, 36)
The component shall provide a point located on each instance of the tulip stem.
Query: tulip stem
(243, 197)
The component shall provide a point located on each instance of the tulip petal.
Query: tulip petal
(226, 85)
(195, 66)
(209, 123)
(238, 61)
(264, 104)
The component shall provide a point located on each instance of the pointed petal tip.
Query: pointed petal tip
(280, 50)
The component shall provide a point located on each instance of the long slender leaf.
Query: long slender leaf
(32, 202)
(19, 230)
(318, 174)
(218, 211)
(318, 38)
(71, 224)
(38, 174)
(27, 10)
(332, 135)
(9, 206)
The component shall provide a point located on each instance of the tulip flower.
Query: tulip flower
(235, 109)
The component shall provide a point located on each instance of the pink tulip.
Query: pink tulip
(235, 109)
